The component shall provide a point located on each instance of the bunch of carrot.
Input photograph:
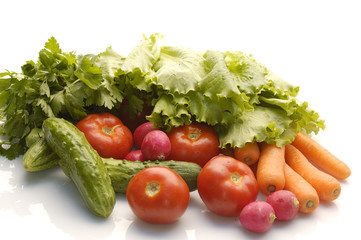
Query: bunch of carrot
(303, 167)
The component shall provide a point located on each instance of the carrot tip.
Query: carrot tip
(247, 160)
(336, 192)
(271, 188)
(310, 204)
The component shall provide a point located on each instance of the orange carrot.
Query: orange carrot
(321, 157)
(305, 193)
(270, 169)
(327, 187)
(248, 154)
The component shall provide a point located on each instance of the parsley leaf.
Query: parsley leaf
(59, 84)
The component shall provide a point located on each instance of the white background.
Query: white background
(313, 44)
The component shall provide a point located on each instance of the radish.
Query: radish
(156, 145)
(257, 216)
(141, 131)
(284, 203)
(135, 155)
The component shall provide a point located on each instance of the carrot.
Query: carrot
(248, 154)
(270, 169)
(327, 187)
(321, 157)
(305, 193)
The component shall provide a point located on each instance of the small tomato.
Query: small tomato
(107, 135)
(158, 195)
(226, 185)
(196, 143)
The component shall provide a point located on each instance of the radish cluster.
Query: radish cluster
(259, 216)
(153, 144)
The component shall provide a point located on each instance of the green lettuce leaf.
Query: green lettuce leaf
(220, 83)
(261, 124)
(178, 70)
(231, 91)
(139, 63)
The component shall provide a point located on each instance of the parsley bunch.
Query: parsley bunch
(59, 84)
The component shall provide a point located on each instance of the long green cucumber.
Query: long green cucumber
(120, 171)
(82, 164)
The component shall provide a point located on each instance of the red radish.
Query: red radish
(284, 203)
(141, 131)
(156, 145)
(257, 216)
(135, 155)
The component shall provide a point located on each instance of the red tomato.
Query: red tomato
(193, 143)
(158, 195)
(226, 185)
(107, 135)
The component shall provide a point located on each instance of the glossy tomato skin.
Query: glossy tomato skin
(196, 143)
(158, 195)
(226, 185)
(107, 135)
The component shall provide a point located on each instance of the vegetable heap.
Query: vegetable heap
(231, 91)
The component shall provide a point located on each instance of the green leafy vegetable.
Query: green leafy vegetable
(242, 99)
(59, 84)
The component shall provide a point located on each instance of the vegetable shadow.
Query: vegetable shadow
(58, 196)
(139, 229)
(183, 229)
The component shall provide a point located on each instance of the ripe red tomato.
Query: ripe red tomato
(158, 195)
(196, 143)
(226, 185)
(107, 135)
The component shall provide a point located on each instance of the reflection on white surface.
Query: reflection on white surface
(47, 204)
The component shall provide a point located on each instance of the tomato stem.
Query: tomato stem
(194, 135)
(236, 177)
(109, 130)
(152, 188)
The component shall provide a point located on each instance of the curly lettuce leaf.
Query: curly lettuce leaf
(220, 83)
(270, 124)
(261, 124)
(178, 70)
(139, 63)
(167, 113)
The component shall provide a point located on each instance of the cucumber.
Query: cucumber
(82, 164)
(39, 157)
(121, 171)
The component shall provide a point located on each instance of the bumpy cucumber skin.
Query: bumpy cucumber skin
(122, 171)
(39, 157)
(82, 164)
